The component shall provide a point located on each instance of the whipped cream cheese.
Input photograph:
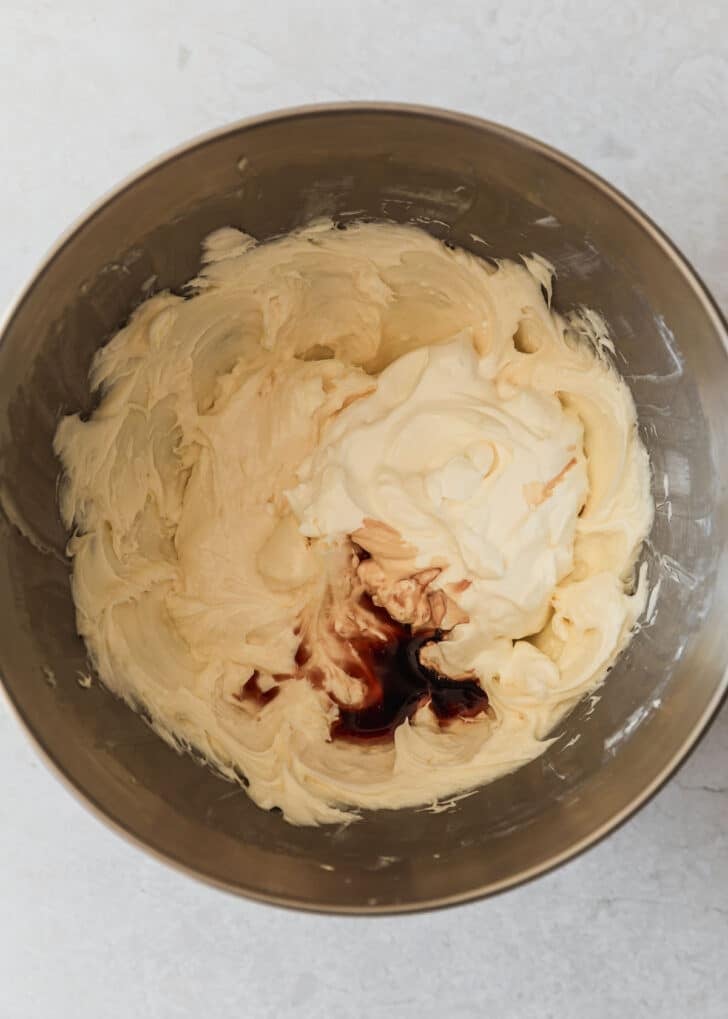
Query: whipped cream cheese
(342, 438)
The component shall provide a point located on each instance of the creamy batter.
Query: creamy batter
(343, 437)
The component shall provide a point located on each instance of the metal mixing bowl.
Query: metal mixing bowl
(462, 179)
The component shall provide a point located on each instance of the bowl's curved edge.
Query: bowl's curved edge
(711, 309)
(472, 895)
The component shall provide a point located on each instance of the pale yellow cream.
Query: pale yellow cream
(339, 391)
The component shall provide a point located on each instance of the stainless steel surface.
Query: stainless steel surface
(463, 179)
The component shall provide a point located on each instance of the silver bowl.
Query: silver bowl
(498, 193)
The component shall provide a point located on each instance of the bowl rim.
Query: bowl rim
(711, 309)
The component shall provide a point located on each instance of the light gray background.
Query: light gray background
(89, 926)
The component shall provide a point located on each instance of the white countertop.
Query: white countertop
(89, 925)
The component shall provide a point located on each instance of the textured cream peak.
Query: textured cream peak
(336, 422)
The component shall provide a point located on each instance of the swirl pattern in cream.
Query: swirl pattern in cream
(334, 426)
